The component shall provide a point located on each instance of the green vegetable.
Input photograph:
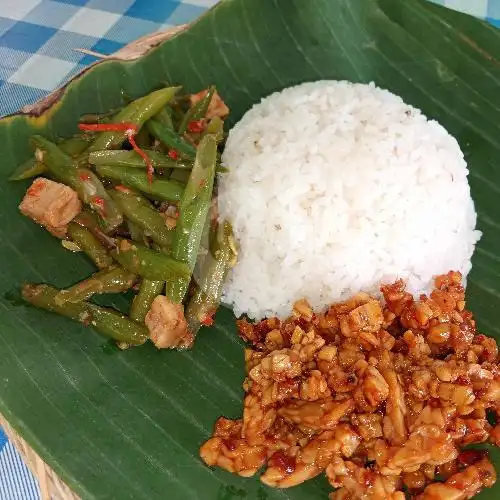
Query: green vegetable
(111, 280)
(209, 284)
(90, 220)
(122, 158)
(140, 211)
(216, 127)
(106, 321)
(193, 211)
(137, 112)
(160, 189)
(142, 301)
(90, 244)
(75, 146)
(136, 232)
(33, 167)
(147, 263)
(197, 111)
(171, 139)
(165, 117)
(83, 181)
(30, 168)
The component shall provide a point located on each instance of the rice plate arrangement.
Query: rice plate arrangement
(258, 258)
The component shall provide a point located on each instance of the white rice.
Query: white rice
(334, 188)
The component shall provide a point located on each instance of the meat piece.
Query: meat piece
(367, 317)
(462, 485)
(286, 470)
(217, 107)
(51, 204)
(427, 444)
(321, 415)
(166, 323)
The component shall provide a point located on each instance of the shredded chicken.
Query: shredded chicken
(217, 106)
(166, 323)
(51, 204)
(380, 396)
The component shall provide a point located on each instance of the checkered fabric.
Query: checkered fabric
(37, 42)
(38, 38)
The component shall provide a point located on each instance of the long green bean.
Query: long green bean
(209, 284)
(141, 304)
(90, 220)
(193, 210)
(90, 244)
(123, 158)
(75, 146)
(159, 189)
(107, 321)
(30, 168)
(170, 138)
(137, 113)
(111, 280)
(148, 263)
(140, 211)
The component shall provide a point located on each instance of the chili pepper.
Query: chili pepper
(172, 153)
(105, 320)
(161, 189)
(194, 207)
(196, 126)
(110, 280)
(140, 211)
(89, 244)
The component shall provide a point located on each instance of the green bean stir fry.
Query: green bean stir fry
(134, 191)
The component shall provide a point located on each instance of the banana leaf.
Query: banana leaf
(128, 425)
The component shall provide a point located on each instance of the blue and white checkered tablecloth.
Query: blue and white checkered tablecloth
(38, 39)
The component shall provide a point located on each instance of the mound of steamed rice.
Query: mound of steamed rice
(334, 188)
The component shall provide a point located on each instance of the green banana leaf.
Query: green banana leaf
(127, 425)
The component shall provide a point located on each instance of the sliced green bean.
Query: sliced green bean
(142, 301)
(209, 284)
(216, 128)
(123, 158)
(137, 112)
(90, 220)
(89, 244)
(170, 138)
(180, 176)
(193, 211)
(136, 232)
(75, 146)
(30, 168)
(197, 111)
(83, 181)
(148, 263)
(111, 280)
(107, 321)
(159, 189)
(165, 117)
(140, 211)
